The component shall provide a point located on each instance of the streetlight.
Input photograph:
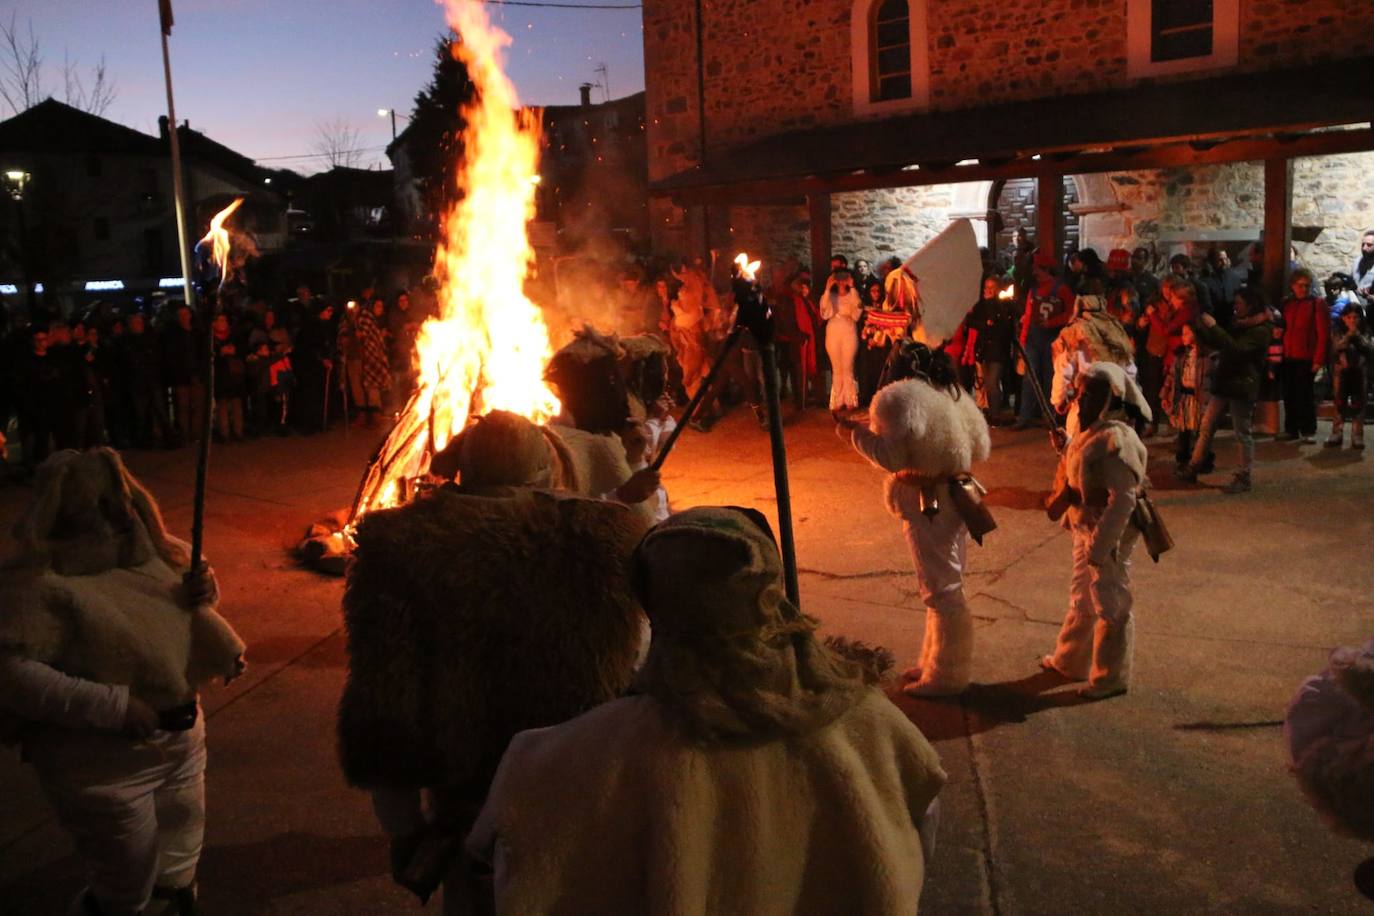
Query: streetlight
(391, 113)
(15, 182)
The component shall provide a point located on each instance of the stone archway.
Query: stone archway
(1102, 223)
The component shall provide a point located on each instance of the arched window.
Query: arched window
(890, 58)
(891, 51)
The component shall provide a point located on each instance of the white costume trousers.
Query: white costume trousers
(938, 545)
(1096, 639)
(842, 346)
(135, 809)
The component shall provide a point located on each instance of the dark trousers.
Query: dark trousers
(1040, 364)
(148, 405)
(1299, 398)
(1151, 383)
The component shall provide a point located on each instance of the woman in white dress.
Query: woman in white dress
(840, 309)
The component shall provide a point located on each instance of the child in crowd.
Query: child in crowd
(1183, 396)
(1350, 370)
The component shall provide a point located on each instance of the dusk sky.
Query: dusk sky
(259, 75)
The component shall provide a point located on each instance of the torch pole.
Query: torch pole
(184, 246)
(780, 485)
(702, 390)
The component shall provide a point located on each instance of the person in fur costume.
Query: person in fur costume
(104, 638)
(589, 378)
(726, 783)
(1093, 335)
(928, 433)
(1102, 471)
(490, 607)
(1329, 731)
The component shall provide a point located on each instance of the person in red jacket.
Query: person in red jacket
(1049, 306)
(1306, 336)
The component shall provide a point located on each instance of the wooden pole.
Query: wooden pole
(184, 245)
(1049, 203)
(1278, 225)
(819, 212)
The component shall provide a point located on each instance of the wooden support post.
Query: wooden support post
(818, 209)
(1278, 226)
(1049, 203)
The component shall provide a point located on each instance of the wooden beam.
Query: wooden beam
(819, 212)
(1278, 225)
(1174, 155)
(1049, 201)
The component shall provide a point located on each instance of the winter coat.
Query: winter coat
(618, 812)
(1306, 330)
(178, 355)
(994, 323)
(138, 362)
(471, 618)
(372, 352)
(1241, 355)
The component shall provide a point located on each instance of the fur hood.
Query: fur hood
(928, 431)
(472, 618)
(95, 590)
(1103, 440)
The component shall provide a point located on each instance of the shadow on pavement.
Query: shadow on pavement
(1016, 498)
(289, 863)
(987, 706)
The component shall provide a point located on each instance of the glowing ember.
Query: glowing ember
(488, 348)
(218, 238)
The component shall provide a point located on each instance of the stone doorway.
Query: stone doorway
(1013, 205)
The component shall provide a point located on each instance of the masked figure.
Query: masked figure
(726, 781)
(102, 648)
(841, 309)
(928, 433)
(484, 609)
(1100, 478)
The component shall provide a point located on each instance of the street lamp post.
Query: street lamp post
(15, 182)
(391, 112)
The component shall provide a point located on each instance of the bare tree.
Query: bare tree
(95, 97)
(21, 67)
(338, 144)
(23, 79)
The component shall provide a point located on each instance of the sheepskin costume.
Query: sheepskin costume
(470, 618)
(1330, 736)
(754, 773)
(1105, 466)
(94, 590)
(923, 436)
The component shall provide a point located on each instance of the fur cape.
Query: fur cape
(1330, 737)
(927, 431)
(618, 812)
(596, 465)
(105, 607)
(472, 618)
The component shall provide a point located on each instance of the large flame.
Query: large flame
(488, 347)
(218, 239)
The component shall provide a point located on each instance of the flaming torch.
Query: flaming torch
(211, 252)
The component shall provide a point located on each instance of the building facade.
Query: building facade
(722, 78)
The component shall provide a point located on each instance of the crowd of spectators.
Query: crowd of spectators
(135, 377)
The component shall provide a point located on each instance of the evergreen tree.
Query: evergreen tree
(434, 140)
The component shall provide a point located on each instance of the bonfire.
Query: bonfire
(488, 346)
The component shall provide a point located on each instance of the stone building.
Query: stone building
(794, 127)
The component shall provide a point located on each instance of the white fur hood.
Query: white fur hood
(927, 430)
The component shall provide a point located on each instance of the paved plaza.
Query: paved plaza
(1173, 799)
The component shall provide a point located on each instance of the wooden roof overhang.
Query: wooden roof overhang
(1279, 114)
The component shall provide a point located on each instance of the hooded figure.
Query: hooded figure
(928, 433)
(752, 772)
(1102, 474)
(487, 608)
(1330, 735)
(103, 642)
(1093, 335)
